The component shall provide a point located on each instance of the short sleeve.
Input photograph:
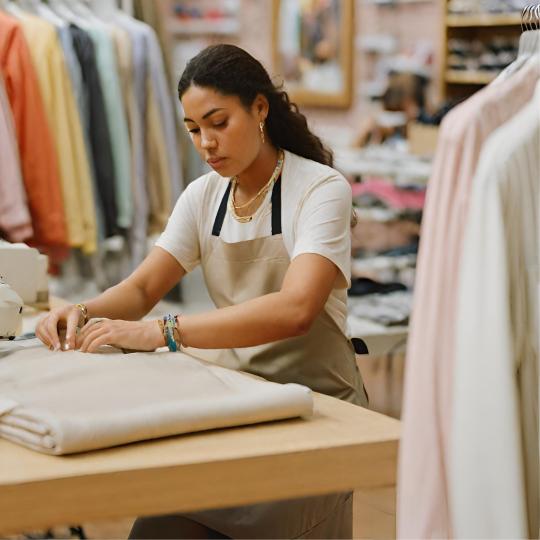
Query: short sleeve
(181, 237)
(323, 225)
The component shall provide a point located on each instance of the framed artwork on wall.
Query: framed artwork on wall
(312, 47)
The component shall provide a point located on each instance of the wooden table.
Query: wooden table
(342, 447)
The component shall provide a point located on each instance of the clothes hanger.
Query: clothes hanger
(104, 8)
(44, 11)
(529, 42)
(40, 9)
(82, 10)
(27, 5)
(63, 11)
(14, 9)
(530, 37)
(536, 47)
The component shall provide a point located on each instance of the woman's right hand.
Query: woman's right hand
(67, 318)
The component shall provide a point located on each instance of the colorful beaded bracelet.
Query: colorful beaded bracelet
(170, 332)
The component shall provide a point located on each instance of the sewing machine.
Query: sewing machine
(25, 269)
(23, 281)
(11, 306)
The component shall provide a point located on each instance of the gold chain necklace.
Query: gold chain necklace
(264, 190)
(233, 207)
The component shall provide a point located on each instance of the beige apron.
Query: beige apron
(323, 360)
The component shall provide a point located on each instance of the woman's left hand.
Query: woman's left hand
(135, 335)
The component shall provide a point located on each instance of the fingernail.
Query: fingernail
(66, 346)
(57, 347)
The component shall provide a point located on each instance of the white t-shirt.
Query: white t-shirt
(316, 204)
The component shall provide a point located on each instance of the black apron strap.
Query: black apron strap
(220, 216)
(360, 346)
(276, 207)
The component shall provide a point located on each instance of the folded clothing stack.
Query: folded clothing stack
(384, 246)
(390, 309)
(66, 402)
(388, 217)
(476, 55)
(466, 7)
(389, 195)
(366, 286)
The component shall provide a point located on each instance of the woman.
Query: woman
(270, 228)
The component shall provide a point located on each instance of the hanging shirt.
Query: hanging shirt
(66, 126)
(73, 69)
(158, 172)
(168, 113)
(138, 230)
(163, 95)
(75, 76)
(312, 196)
(159, 152)
(494, 458)
(116, 120)
(15, 220)
(36, 147)
(423, 509)
(100, 140)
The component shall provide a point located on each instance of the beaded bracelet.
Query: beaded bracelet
(170, 332)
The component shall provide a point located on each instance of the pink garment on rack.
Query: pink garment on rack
(390, 194)
(423, 510)
(15, 220)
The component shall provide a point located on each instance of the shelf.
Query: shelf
(201, 27)
(474, 20)
(392, 3)
(470, 77)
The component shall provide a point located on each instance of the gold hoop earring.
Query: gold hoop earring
(261, 127)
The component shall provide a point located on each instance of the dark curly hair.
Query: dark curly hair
(232, 71)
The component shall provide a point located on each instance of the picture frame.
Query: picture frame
(312, 50)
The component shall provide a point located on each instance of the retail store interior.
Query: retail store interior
(411, 97)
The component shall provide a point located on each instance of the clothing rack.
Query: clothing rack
(108, 105)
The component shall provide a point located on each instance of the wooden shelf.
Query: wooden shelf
(469, 77)
(202, 27)
(503, 19)
(460, 84)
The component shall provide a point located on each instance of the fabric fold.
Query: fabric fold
(73, 402)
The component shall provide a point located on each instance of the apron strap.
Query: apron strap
(276, 209)
(360, 346)
(220, 217)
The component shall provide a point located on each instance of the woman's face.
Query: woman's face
(225, 134)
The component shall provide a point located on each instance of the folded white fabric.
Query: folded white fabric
(66, 402)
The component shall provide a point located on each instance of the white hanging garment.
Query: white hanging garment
(494, 443)
(423, 474)
(529, 50)
(65, 402)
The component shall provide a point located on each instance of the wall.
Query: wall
(409, 22)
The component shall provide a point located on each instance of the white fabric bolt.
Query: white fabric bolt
(66, 402)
